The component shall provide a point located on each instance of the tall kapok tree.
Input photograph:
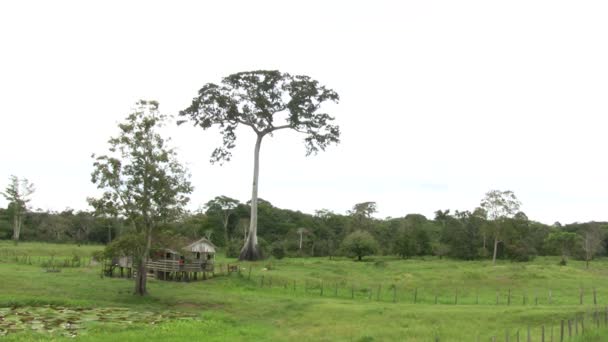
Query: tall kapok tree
(17, 193)
(265, 101)
(142, 179)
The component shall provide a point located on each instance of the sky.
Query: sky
(440, 101)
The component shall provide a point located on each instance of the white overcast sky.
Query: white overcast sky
(441, 101)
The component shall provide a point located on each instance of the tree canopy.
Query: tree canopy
(265, 101)
(141, 179)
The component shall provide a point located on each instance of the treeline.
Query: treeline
(461, 235)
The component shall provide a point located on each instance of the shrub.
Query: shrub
(233, 248)
(277, 250)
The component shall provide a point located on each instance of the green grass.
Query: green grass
(237, 308)
(43, 249)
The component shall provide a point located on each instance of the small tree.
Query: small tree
(142, 180)
(499, 205)
(360, 243)
(225, 207)
(564, 242)
(17, 193)
(261, 100)
(592, 242)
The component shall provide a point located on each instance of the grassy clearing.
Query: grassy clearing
(237, 308)
(43, 249)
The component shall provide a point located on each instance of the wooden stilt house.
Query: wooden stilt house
(191, 262)
(194, 260)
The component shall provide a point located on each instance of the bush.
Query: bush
(98, 255)
(233, 248)
(277, 250)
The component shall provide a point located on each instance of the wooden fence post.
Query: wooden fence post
(542, 333)
(597, 318)
(594, 297)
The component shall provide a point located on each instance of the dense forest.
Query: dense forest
(461, 234)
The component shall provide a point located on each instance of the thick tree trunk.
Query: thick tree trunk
(226, 217)
(251, 250)
(142, 272)
(495, 248)
(300, 242)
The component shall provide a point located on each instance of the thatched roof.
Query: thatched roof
(202, 246)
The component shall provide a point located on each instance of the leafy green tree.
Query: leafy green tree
(442, 217)
(362, 213)
(17, 193)
(564, 242)
(223, 206)
(360, 243)
(261, 100)
(5, 226)
(461, 235)
(518, 238)
(142, 179)
(405, 243)
(499, 205)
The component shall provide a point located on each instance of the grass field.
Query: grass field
(314, 299)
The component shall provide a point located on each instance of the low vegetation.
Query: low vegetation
(263, 305)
